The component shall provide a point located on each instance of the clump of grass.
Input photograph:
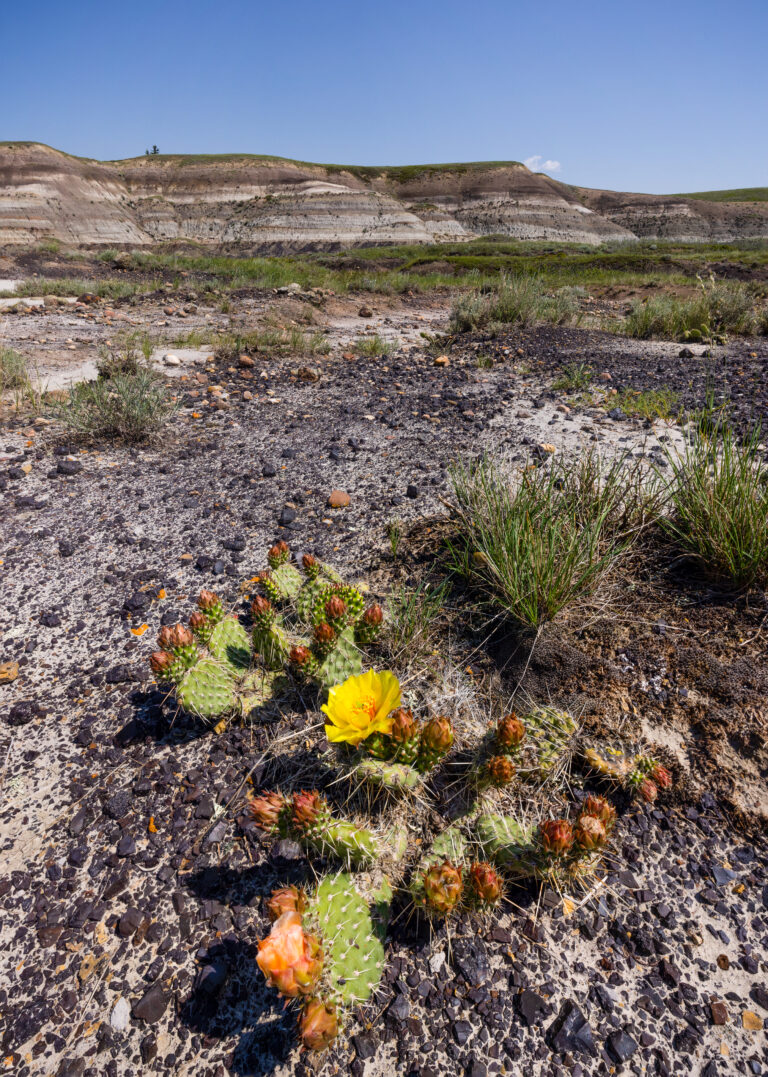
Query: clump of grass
(14, 370)
(124, 407)
(537, 544)
(521, 300)
(648, 403)
(275, 341)
(719, 502)
(395, 535)
(720, 307)
(413, 613)
(373, 346)
(576, 377)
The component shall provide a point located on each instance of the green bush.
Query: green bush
(720, 307)
(124, 407)
(521, 300)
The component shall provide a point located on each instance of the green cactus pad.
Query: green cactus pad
(507, 842)
(229, 643)
(352, 939)
(308, 596)
(286, 581)
(350, 596)
(208, 689)
(257, 689)
(271, 644)
(549, 731)
(451, 845)
(344, 841)
(345, 660)
(395, 777)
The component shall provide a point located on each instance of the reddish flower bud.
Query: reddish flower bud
(306, 809)
(556, 836)
(318, 1025)
(404, 726)
(442, 887)
(335, 608)
(602, 809)
(661, 776)
(500, 770)
(373, 616)
(208, 601)
(648, 791)
(165, 637)
(179, 636)
(299, 656)
(589, 833)
(510, 733)
(160, 661)
(437, 735)
(324, 634)
(261, 607)
(267, 809)
(311, 566)
(278, 554)
(286, 899)
(197, 621)
(485, 883)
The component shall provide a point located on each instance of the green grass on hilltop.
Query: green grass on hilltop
(738, 194)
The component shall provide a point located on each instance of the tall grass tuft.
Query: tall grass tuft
(123, 407)
(719, 504)
(720, 307)
(520, 300)
(14, 370)
(539, 542)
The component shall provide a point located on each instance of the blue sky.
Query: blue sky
(654, 96)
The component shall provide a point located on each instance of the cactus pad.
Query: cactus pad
(507, 842)
(549, 731)
(352, 938)
(345, 660)
(271, 644)
(228, 641)
(286, 582)
(451, 845)
(342, 840)
(208, 689)
(394, 777)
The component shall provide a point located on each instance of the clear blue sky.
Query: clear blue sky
(659, 95)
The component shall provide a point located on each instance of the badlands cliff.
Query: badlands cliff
(271, 204)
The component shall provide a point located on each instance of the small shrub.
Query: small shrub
(123, 407)
(413, 613)
(574, 378)
(720, 307)
(647, 403)
(719, 501)
(519, 300)
(373, 346)
(116, 363)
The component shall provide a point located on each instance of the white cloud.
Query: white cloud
(538, 164)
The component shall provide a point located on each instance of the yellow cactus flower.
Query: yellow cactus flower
(361, 706)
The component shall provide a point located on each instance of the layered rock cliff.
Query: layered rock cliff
(270, 204)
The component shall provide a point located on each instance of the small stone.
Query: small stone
(126, 846)
(530, 1006)
(751, 1021)
(152, 1004)
(9, 671)
(172, 360)
(719, 1013)
(620, 1046)
(365, 312)
(442, 360)
(129, 922)
(338, 499)
(308, 373)
(685, 353)
(546, 449)
(723, 962)
(617, 414)
(570, 1031)
(365, 1045)
(245, 361)
(287, 515)
(605, 376)
(120, 1015)
(69, 467)
(412, 491)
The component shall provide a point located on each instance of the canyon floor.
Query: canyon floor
(131, 888)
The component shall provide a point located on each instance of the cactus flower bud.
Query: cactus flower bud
(267, 809)
(602, 809)
(500, 770)
(589, 833)
(197, 621)
(208, 601)
(180, 636)
(510, 733)
(661, 776)
(311, 566)
(335, 608)
(374, 615)
(278, 554)
(648, 791)
(290, 959)
(324, 635)
(556, 836)
(160, 662)
(165, 638)
(306, 809)
(299, 655)
(286, 899)
(485, 883)
(404, 726)
(437, 735)
(442, 887)
(318, 1025)
(261, 607)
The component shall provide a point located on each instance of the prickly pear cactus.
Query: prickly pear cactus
(207, 689)
(352, 937)
(345, 660)
(550, 735)
(506, 842)
(228, 641)
(392, 777)
(450, 847)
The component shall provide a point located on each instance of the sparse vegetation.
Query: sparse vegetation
(124, 407)
(413, 612)
(720, 307)
(647, 403)
(576, 377)
(719, 503)
(373, 346)
(537, 542)
(14, 370)
(515, 301)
